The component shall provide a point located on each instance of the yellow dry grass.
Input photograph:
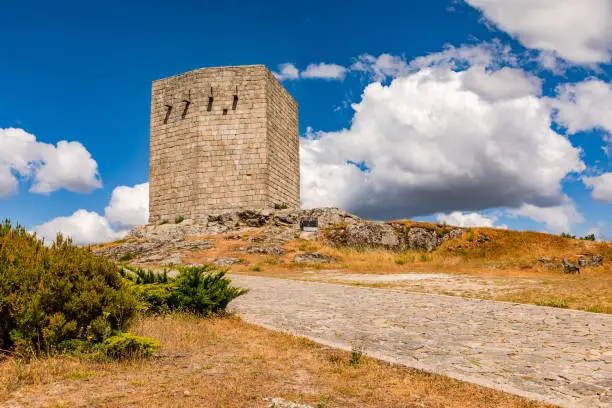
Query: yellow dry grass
(224, 362)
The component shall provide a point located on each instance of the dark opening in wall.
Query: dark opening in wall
(168, 111)
(235, 103)
(210, 103)
(225, 111)
(187, 103)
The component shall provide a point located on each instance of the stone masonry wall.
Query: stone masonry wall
(283, 145)
(210, 146)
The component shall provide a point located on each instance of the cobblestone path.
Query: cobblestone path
(560, 356)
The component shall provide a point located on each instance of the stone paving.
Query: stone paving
(559, 356)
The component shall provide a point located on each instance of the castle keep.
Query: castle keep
(222, 139)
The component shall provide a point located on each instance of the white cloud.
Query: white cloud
(68, 165)
(382, 67)
(129, 206)
(601, 185)
(556, 219)
(430, 145)
(287, 71)
(473, 219)
(324, 71)
(584, 106)
(83, 227)
(577, 30)
(503, 84)
(486, 55)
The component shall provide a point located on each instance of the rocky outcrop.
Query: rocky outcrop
(590, 260)
(569, 268)
(391, 236)
(166, 244)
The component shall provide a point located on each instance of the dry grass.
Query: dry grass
(224, 362)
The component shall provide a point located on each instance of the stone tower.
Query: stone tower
(222, 139)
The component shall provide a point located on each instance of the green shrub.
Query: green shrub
(566, 235)
(50, 295)
(203, 290)
(179, 219)
(198, 289)
(590, 237)
(126, 345)
(400, 261)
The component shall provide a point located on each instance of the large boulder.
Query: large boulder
(365, 234)
(421, 239)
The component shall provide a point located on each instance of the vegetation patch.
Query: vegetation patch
(57, 294)
(553, 302)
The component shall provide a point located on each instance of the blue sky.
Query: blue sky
(81, 72)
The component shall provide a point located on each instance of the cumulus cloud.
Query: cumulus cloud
(486, 55)
(128, 207)
(428, 142)
(577, 30)
(460, 219)
(66, 166)
(557, 219)
(324, 71)
(83, 227)
(287, 71)
(601, 185)
(584, 106)
(503, 84)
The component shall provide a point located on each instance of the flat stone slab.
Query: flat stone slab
(559, 356)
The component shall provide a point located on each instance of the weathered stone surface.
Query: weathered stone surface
(281, 403)
(266, 250)
(422, 239)
(590, 260)
(365, 234)
(556, 355)
(569, 268)
(313, 258)
(222, 139)
(227, 261)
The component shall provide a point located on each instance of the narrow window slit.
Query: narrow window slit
(168, 111)
(210, 104)
(187, 103)
(235, 103)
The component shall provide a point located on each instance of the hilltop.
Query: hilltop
(488, 263)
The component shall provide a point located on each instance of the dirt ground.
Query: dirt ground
(224, 362)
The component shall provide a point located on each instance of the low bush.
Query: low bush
(52, 295)
(126, 345)
(202, 290)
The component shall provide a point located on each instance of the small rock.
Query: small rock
(569, 268)
(313, 258)
(186, 393)
(544, 260)
(265, 250)
(587, 261)
(226, 261)
(281, 403)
